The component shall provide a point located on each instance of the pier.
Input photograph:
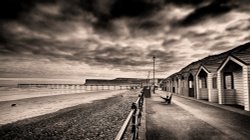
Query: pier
(81, 86)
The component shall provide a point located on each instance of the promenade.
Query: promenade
(187, 119)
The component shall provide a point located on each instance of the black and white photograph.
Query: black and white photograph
(125, 69)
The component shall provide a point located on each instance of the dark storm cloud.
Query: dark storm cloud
(185, 2)
(165, 57)
(220, 46)
(193, 34)
(30, 47)
(114, 56)
(247, 38)
(122, 34)
(108, 10)
(213, 9)
(133, 8)
(55, 50)
(200, 37)
(145, 25)
(99, 14)
(243, 25)
(108, 56)
(168, 60)
(42, 23)
(12, 9)
(169, 42)
(199, 55)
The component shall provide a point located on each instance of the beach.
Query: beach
(99, 119)
(27, 105)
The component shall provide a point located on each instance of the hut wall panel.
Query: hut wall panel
(185, 92)
(214, 96)
(229, 96)
(171, 87)
(203, 93)
(167, 86)
(219, 77)
(185, 87)
(198, 89)
(195, 89)
(176, 87)
(178, 90)
(209, 86)
(220, 88)
(246, 88)
(238, 85)
(181, 91)
(178, 82)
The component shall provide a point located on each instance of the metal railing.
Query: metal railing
(133, 117)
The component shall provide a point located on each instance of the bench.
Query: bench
(168, 99)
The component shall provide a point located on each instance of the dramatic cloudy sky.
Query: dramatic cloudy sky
(115, 38)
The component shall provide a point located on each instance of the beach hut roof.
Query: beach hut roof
(213, 62)
(243, 54)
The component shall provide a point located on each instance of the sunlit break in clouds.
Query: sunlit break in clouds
(78, 39)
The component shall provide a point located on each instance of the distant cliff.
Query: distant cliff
(119, 81)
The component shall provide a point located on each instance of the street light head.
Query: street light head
(153, 57)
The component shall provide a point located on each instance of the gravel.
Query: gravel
(101, 119)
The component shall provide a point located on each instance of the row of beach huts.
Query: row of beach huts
(222, 78)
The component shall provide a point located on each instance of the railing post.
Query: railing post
(140, 104)
(134, 118)
(134, 121)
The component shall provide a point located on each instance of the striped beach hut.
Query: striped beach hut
(234, 78)
(206, 77)
(222, 78)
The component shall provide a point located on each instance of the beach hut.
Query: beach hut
(207, 82)
(188, 79)
(202, 78)
(177, 82)
(182, 84)
(191, 85)
(223, 78)
(171, 83)
(206, 77)
(234, 78)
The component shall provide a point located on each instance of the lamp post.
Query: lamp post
(153, 74)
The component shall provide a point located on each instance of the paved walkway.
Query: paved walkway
(187, 119)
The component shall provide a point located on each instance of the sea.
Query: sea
(10, 88)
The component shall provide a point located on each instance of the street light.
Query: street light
(153, 74)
